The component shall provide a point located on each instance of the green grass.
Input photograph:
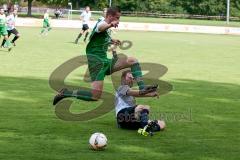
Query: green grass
(203, 70)
(160, 20)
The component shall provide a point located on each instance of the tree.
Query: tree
(237, 4)
(49, 2)
(57, 3)
(202, 7)
(29, 13)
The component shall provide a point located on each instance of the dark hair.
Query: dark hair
(11, 10)
(124, 74)
(113, 11)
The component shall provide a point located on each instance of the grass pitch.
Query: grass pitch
(201, 112)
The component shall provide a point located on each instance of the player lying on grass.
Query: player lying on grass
(129, 114)
(3, 30)
(99, 65)
(11, 18)
(46, 25)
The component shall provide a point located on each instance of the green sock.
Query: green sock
(49, 28)
(42, 30)
(7, 43)
(137, 74)
(80, 94)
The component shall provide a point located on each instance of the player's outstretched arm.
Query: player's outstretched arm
(136, 93)
(103, 27)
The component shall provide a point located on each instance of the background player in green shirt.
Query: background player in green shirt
(46, 24)
(3, 29)
(99, 65)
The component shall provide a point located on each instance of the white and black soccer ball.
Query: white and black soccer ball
(98, 141)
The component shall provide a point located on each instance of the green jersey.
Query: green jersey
(2, 20)
(98, 42)
(46, 23)
(98, 64)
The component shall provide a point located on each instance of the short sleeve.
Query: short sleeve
(99, 24)
(82, 14)
(123, 90)
(8, 18)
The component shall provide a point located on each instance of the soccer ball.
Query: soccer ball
(98, 141)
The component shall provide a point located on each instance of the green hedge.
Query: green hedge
(197, 7)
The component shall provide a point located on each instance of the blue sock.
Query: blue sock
(144, 118)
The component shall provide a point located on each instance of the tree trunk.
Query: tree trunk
(77, 4)
(29, 8)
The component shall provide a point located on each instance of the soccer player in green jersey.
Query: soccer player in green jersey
(99, 65)
(46, 25)
(3, 30)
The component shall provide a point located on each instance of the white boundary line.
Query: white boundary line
(32, 22)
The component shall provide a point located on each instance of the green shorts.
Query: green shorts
(46, 24)
(3, 31)
(100, 67)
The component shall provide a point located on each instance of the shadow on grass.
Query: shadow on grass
(27, 115)
(72, 42)
(191, 93)
(4, 50)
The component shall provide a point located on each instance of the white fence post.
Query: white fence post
(228, 11)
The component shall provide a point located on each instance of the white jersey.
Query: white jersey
(46, 16)
(11, 22)
(86, 17)
(122, 100)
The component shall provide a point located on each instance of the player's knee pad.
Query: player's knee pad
(132, 61)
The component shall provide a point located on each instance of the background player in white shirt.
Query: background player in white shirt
(11, 19)
(85, 17)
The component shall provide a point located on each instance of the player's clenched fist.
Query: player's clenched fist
(116, 42)
(114, 24)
